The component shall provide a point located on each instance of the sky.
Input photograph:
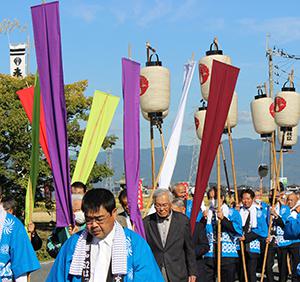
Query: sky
(96, 34)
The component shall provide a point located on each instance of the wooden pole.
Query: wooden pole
(261, 186)
(152, 153)
(277, 187)
(225, 170)
(162, 139)
(219, 252)
(236, 196)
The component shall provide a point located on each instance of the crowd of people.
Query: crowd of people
(103, 246)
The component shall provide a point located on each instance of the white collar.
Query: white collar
(108, 239)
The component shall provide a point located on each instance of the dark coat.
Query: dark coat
(178, 255)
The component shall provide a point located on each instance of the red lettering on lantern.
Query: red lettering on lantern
(280, 104)
(144, 84)
(204, 73)
(271, 110)
(197, 123)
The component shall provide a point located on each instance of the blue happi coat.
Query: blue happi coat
(261, 230)
(292, 228)
(188, 210)
(17, 256)
(228, 239)
(284, 213)
(141, 264)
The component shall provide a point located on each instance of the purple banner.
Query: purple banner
(131, 138)
(46, 28)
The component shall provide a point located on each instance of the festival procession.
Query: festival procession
(107, 187)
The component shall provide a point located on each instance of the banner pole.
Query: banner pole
(219, 209)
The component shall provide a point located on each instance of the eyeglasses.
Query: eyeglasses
(159, 206)
(98, 219)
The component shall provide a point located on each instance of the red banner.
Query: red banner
(223, 81)
(26, 97)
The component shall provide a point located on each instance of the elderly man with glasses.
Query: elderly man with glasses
(169, 236)
(104, 251)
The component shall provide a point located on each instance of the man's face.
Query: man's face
(247, 200)
(292, 200)
(100, 223)
(163, 205)
(258, 195)
(76, 205)
(180, 191)
(178, 209)
(124, 204)
(77, 190)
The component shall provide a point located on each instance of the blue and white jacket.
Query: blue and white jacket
(231, 226)
(254, 234)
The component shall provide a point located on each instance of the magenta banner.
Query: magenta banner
(131, 137)
(47, 38)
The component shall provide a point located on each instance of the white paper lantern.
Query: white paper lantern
(290, 137)
(232, 117)
(286, 107)
(155, 87)
(262, 111)
(205, 67)
(199, 118)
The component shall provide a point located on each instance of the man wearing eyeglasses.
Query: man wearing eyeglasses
(104, 251)
(169, 236)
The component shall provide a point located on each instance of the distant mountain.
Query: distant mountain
(249, 153)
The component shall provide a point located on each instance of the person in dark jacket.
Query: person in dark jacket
(169, 236)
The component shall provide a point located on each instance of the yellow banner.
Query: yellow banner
(101, 115)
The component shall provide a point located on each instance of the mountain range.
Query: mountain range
(248, 155)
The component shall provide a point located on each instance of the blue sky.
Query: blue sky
(96, 34)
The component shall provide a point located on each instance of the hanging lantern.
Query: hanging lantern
(205, 67)
(160, 115)
(286, 107)
(232, 117)
(155, 87)
(199, 118)
(262, 111)
(263, 170)
(290, 137)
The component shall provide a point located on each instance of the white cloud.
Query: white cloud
(284, 30)
(244, 117)
(86, 12)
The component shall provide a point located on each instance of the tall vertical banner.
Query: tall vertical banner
(101, 115)
(223, 81)
(17, 59)
(131, 138)
(170, 158)
(46, 28)
(26, 97)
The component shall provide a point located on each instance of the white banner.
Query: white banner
(17, 60)
(170, 158)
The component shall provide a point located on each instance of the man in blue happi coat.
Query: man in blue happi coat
(255, 229)
(17, 257)
(231, 230)
(104, 251)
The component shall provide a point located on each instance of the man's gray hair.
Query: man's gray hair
(160, 191)
(178, 202)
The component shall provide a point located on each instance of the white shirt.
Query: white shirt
(101, 251)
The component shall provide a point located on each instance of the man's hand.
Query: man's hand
(220, 215)
(205, 214)
(72, 230)
(268, 240)
(298, 209)
(192, 278)
(31, 227)
(242, 238)
(273, 212)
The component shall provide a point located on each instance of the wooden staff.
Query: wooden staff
(277, 187)
(225, 170)
(162, 139)
(261, 185)
(236, 196)
(219, 252)
(152, 152)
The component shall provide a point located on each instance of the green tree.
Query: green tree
(15, 135)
